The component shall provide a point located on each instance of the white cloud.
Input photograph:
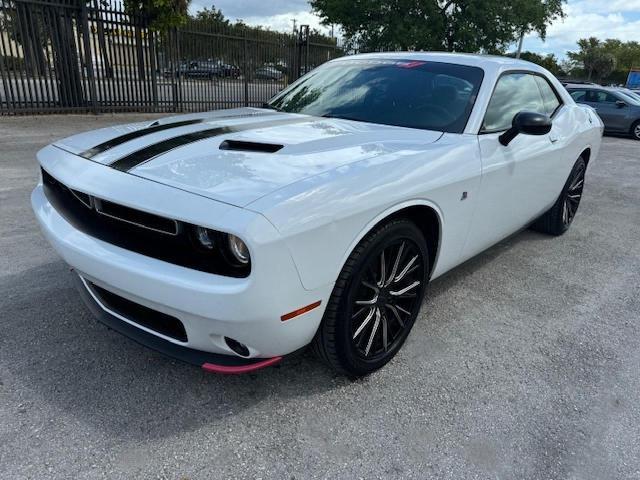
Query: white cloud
(588, 18)
(283, 22)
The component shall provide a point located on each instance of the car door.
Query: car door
(613, 116)
(520, 180)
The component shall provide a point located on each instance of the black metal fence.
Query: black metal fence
(69, 56)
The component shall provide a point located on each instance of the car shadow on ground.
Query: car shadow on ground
(71, 361)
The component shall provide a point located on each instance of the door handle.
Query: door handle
(553, 138)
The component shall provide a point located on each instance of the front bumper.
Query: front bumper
(211, 307)
(211, 362)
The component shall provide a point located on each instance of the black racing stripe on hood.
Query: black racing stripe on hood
(156, 127)
(114, 142)
(141, 156)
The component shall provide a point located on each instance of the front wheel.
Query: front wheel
(375, 300)
(559, 218)
(635, 130)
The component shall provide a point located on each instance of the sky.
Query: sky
(600, 18)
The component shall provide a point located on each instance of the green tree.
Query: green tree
(452, 25)
(549, 61)
(595, 58)
(159, 15)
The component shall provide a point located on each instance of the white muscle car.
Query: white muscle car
(230, 239)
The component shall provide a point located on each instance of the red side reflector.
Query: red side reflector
(300, 311)
(236, 370)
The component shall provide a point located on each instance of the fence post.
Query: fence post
(179, 107)
(245, 68)
(154, 67)
(87, 58)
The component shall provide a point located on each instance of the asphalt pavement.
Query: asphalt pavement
(524, 363)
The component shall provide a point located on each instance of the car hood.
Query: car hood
(238, 156)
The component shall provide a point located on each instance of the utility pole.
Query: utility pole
(294, 24)
(520, 44)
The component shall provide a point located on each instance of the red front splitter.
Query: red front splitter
(239, 369)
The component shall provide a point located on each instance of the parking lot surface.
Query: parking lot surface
(524, 363)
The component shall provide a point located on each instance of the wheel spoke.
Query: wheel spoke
(367, 302)
(403, 310)
(359, 312)
(394, 309)
(576, 184)
(385, 342)
(405, 289)
(394, 270)
(371, 286)
(365, 322)
(405, 270)
(373, 332)
(383, 267)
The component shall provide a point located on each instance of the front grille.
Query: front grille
(141, 232)
(147, 317)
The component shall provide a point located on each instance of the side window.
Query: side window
(549, 97)
(608, 98)
(514, 93)
(599, 96)
(579, 95)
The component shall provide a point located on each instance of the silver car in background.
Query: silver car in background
(618, 108)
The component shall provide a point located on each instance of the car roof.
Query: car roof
(585, 86)
(496, 62)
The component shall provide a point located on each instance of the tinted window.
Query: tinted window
(514, 93)
(549, 97)
(604, 97)
(578, 95)
(416, 94)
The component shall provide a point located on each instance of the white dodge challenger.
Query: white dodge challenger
(230, 239)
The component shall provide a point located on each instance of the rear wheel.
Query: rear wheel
(559, 218)
(375, 301)
(635, 130)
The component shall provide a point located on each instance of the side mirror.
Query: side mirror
(620, 104)
(527, 123)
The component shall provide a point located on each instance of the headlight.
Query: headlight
(238, 249)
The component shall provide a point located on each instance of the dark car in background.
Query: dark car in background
(205, 69)
(619, 111)
(269, 73)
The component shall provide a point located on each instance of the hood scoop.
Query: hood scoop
(242, 146)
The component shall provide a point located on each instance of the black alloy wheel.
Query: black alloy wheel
(375, 300)
(559, 218)
(385, 297)
(573, 194)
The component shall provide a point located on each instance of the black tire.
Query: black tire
(344, 340)
(635, 130)
(558, 219)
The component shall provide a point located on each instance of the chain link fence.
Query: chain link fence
(64, 56)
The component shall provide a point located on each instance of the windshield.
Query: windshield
(405, 93)
(630, 96)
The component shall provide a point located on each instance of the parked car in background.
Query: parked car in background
(201, 69)
(269, 73)
(635, 94)
(228, 70)
(619, 111)
(205, 69)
